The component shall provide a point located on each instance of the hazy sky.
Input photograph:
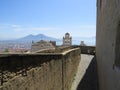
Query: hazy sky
(19, 18)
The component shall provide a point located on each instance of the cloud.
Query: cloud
(33, 29)
(75, 31)
(44, 28)
(15, 26)
(3, 26)
(18, 28)
(9, 26)
(87, 26)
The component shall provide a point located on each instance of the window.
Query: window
(100, 3)
(117, 47)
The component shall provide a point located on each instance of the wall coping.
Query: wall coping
(41, 54)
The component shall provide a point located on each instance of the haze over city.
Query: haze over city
(50, 17)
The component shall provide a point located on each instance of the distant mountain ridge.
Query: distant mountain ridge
(37, 38)
(29, 38)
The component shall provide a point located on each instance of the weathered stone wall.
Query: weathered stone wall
(108, 23)
(86, 49)
(70, 63)
(39, 71)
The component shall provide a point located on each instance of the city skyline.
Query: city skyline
(53, 18)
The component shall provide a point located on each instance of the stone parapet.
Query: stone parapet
(44, 71)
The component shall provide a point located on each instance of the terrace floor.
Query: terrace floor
(86, 77)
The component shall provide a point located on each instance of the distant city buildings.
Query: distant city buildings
(67, 40)
(40, 46)
(14, 47)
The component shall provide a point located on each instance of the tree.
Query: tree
(6, 50)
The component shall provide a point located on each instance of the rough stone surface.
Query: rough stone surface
(47, 72)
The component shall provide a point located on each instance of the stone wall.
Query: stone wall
(86, 49)
(108, 44)
(39, 71)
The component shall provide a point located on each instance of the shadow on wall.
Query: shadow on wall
(90, 79)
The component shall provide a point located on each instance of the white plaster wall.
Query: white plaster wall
(108, 17)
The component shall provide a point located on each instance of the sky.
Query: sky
(54, 18)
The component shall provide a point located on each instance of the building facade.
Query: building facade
(42, 45)
(108, 44)
(67, 40)
(82, 43)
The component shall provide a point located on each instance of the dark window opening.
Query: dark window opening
(100, 3)
(117, 48)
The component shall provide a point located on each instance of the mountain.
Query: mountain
(29, 38)
(25, 42)
(37, 38)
